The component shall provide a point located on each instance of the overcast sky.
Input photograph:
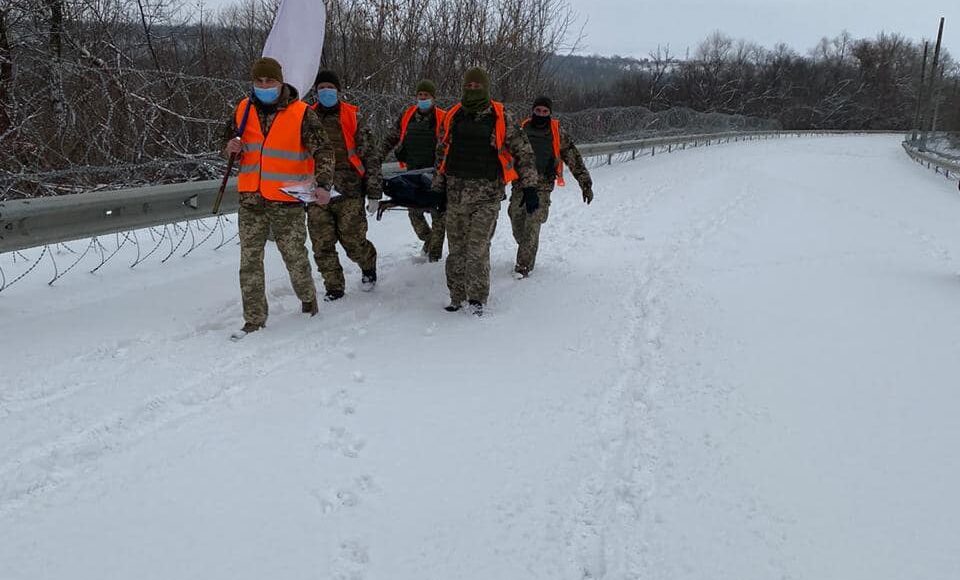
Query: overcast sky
(636, 27)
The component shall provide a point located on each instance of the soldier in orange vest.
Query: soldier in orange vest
(280, 143)
(357, 175)
(552, 147)
(480, 151)
(415, 138)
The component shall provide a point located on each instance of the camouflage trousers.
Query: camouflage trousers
(345, 221)
(473, 206)
(432, 237)
(257, 218)
(526, 226)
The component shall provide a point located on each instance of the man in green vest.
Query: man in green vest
(552, 148)
(480, 151)
(415, 138)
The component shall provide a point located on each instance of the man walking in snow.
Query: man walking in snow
(280, 143)
(481, 150)
(415, 138)
(552, 147)
(357, 174)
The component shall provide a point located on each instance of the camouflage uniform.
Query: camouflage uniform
(344, 219)
(473, 206)
(258, 217)
(526, 227)
(432, 237)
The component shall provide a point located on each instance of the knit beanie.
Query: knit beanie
(327, 76)
(477, 75)
(543, 102)
(267, 67)
(427, 86)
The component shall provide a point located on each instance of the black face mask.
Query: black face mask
(540, 121)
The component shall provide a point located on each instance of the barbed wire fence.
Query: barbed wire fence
(945, 144)
(129, 128)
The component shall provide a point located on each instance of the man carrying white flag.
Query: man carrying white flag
(280, 143)
(282, 148)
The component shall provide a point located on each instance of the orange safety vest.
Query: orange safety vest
(277, 160)
(405, 123)
(555, 127)
(500, 138)
(348, 127)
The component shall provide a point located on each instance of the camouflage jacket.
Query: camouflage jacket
(346, 179)
(312, 134)
(516, 143)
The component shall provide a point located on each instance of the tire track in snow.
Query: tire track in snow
(929, 243)
(608, 531)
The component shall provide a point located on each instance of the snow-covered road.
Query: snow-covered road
(741, 362)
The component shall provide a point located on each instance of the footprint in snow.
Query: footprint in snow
(339, 439)
(353, 558)
(342, 400)
(335, 500)
(350, 496)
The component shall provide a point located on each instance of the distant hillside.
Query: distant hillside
(598, 71)
(843, 83)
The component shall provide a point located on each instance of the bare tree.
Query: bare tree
(6, 74)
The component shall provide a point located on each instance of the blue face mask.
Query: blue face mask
(327, 97)
(267, 96)
(425, 104)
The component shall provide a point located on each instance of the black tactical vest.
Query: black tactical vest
(472, 155)
(541, 140)
(419, 147)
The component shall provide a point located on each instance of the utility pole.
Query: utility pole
(923, 72)
(933, 79)
(936, 103)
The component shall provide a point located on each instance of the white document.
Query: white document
(304, 192)
(296, 41)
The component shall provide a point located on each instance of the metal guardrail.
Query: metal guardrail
(52, 220)
(950, 168)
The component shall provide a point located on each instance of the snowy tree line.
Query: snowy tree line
(843, 83)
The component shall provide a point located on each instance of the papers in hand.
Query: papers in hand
(305, 192)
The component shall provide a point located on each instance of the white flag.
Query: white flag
(296, 41)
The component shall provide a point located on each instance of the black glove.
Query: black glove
(442, 206)
(588, 195)
(530, 199)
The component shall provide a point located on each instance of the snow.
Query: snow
(944, 145)
(739, 363)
